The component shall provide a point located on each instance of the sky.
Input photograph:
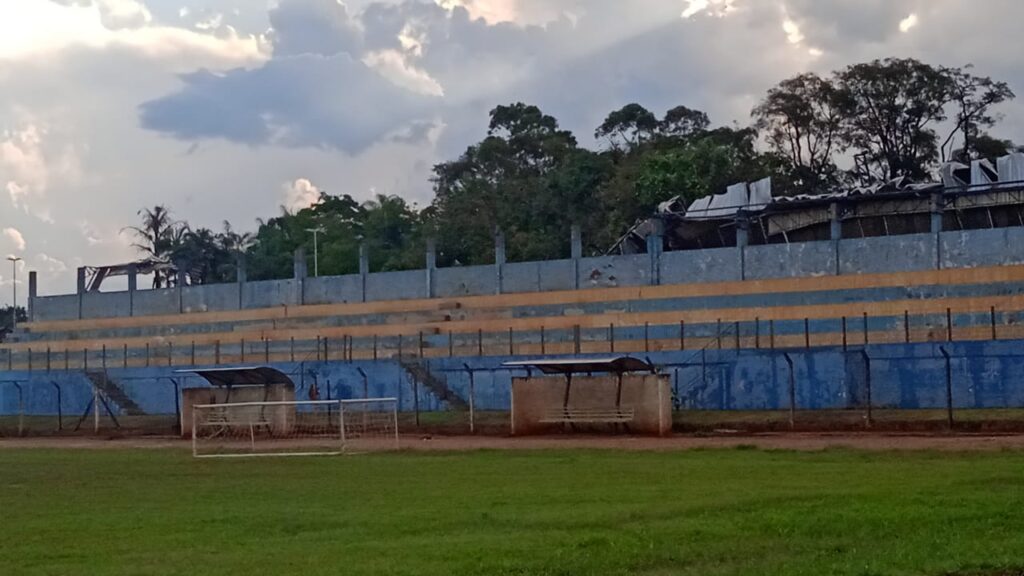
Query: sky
(232, 109)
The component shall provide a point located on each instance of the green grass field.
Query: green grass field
(701, 512)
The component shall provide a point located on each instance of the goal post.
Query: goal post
(298, 428)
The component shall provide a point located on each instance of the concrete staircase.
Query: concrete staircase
(437, 386)
(114, 393)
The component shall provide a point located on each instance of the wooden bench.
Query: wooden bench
(588, 416)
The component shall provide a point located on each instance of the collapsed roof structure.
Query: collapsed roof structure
(982, 195)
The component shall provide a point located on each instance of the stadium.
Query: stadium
(788, 345)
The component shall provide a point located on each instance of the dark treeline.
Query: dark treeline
(530, 178)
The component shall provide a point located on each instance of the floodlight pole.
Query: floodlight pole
(316, 251)
(14, 287)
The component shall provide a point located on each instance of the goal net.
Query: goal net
(293, 428)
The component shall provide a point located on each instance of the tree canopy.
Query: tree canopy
(530, 178)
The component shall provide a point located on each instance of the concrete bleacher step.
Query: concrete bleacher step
(438, 387)
(113, 392)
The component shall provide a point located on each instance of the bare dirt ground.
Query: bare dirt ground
(791, 441)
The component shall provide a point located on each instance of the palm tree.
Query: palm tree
(156, 237)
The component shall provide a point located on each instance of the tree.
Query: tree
(973, 97)
(802, 119)
(894, 105)
(527, 177)
(683, 122)
(157, 237)
(5, 319)
(627, 127)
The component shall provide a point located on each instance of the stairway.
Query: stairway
(114, 393)
(437, 386)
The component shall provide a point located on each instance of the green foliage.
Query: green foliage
(6, 317)
(551, 512)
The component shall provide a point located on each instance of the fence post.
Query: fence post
(451, 344)
(400, 359)
(124, 356)
(865, 328)
(147, 354)
(472, 400)
(266, 350)
(992, 315)
(844, 333)
(420, 344)
(543, 345)
(611, 337)
(511, 349)
(771, 334)
(374, 346)
(867, 385)
(807, 333)
(241, 347)
(792, 391)
(949, 325)
(216, 352)
(48, 356)
(170, 353)
(949, 386)
(757, 332)
(737, 334)
(682, 334)
(718, 333)
(647, 342)
(906, 325)
(480, 342)
(576, 338)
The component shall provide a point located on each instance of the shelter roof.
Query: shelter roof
(617, 364)
(243, 376)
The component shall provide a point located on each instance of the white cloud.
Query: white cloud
(394, 66)
(719, 8)
(15, 238)
(792, 30)
(38, 28)
(50, 264)
(300, 193)
(907, 23)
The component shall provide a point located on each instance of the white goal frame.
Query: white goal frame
(332, 441)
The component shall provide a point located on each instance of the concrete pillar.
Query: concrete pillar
(180, 286)
(364, 266)
(937, 208)
(835, 233)
(742, 241)
(81, 290)
(576, 241)
(241, 277)
(431, 266)
(499, 260)
(836, 222)
(32, 292)
(300, 272)
(655, 246)
(133, 285)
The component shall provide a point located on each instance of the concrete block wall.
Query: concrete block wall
(958, 249)
(906, 376)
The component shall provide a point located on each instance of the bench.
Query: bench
(219, 420)
(588, 416)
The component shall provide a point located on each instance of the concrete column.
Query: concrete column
(81, 290)
(576, 253)
(364, 266)
(32, 291)
(655, 246)
(241, 277)
(499, 260)
(180, 286)
(835, 231)
(937, 207)
(431, 266)
(836, 222)
(133, 285)
(300, 272)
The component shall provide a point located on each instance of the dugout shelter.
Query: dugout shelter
(617, 394)
(241, 385)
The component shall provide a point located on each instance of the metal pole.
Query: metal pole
(949, 386)
(807, 333)
(647, 342)
(792, 391)
(472, 400)
(14, 287)
(844, 333)
(867, 385)
(757, 333)
(865, 328)
(949, 325)
(906, 325)
(682, 334)
(992, 315)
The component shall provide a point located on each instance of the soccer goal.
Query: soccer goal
(302, 428)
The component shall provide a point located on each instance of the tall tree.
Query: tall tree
(802, 119)
(627, 127)
(973, 98)
(157, 237)
(894, 107)
(683, 122)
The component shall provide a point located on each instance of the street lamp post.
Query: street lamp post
(316, 250)
(14, 286)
